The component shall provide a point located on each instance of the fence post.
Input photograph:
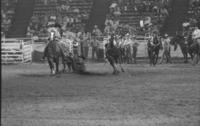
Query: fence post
(22, 47)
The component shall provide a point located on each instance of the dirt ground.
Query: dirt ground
(165, 95)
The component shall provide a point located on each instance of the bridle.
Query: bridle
(52, 35)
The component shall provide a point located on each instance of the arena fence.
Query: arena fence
(141, 48)
(16, 50)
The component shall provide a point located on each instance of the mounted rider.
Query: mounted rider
(196, 40)
(110, 45)
(154, 39)
(54, 34)
(196, 35)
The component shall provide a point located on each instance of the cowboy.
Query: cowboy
(96, 33)
(166, 49)
(196, 44)
(154, 39)
(54, 34)
(127, 39)
(134, 49)
(128, 48)
(196, 35)
(111, 41)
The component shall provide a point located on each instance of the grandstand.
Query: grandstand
(74, 12)
(80, 15)
(7, 13)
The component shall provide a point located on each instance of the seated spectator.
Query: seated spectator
(117, 12)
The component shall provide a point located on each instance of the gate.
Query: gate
(16, 50)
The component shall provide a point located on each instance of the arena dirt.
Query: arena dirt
(165, 95)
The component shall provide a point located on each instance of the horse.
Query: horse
(196, 52)
(185, 46)
(54, 52)
(153, 52)
(113, 54)
(122, 54)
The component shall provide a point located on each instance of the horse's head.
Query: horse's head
(52, 35)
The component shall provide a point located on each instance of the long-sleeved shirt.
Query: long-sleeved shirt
(196, 34)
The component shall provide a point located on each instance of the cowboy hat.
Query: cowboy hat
(166, 35)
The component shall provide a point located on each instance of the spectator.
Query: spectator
(166, 49)
(96, 34)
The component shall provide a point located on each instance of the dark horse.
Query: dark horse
(185, 45)
(54, 52)
(153, 51)
(113, 54)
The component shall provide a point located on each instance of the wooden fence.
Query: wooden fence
(16, 50)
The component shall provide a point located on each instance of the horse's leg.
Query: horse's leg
(149, 55)
(154, 59)
(69, 64)
(191, 54)
(151, 58)
(131, 58)
(122, 69)
(120, 65)
(195, 59)
(64, 64)
(57, 64)
(112, 63)
(157, 55)
(73, 65)
(69, 67)
(64, 67)
(51, 65)
(115, 67)
(184, 55)
(170, 58)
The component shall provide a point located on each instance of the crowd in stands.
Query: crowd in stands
(194, 10)
(69, 14)
(7, 12)
(151, 14)
(193, 16)
(72, 20)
